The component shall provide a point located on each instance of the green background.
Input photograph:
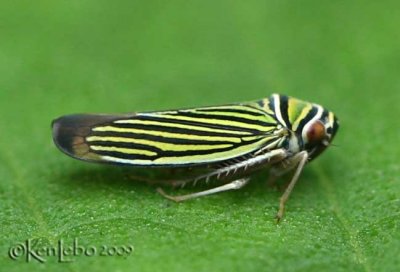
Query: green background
(60, 57)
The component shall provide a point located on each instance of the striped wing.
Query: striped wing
(168, 138)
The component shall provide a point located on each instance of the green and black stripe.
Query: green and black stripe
(182, 137)
(190, 136)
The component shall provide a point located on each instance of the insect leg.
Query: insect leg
(243, 165)
(280, 169)
(298, 160)
(234, 185)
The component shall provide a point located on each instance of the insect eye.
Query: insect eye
(316, 132)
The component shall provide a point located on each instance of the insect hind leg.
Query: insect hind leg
(241, 166)
(234, 185)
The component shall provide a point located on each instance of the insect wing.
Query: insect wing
(168, 138)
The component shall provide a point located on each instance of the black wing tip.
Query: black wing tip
(70, 131)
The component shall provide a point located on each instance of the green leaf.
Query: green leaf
(62, 57)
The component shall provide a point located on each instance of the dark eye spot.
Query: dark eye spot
(329, 130)
(316, 132)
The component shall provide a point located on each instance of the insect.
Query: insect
(279, 132)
